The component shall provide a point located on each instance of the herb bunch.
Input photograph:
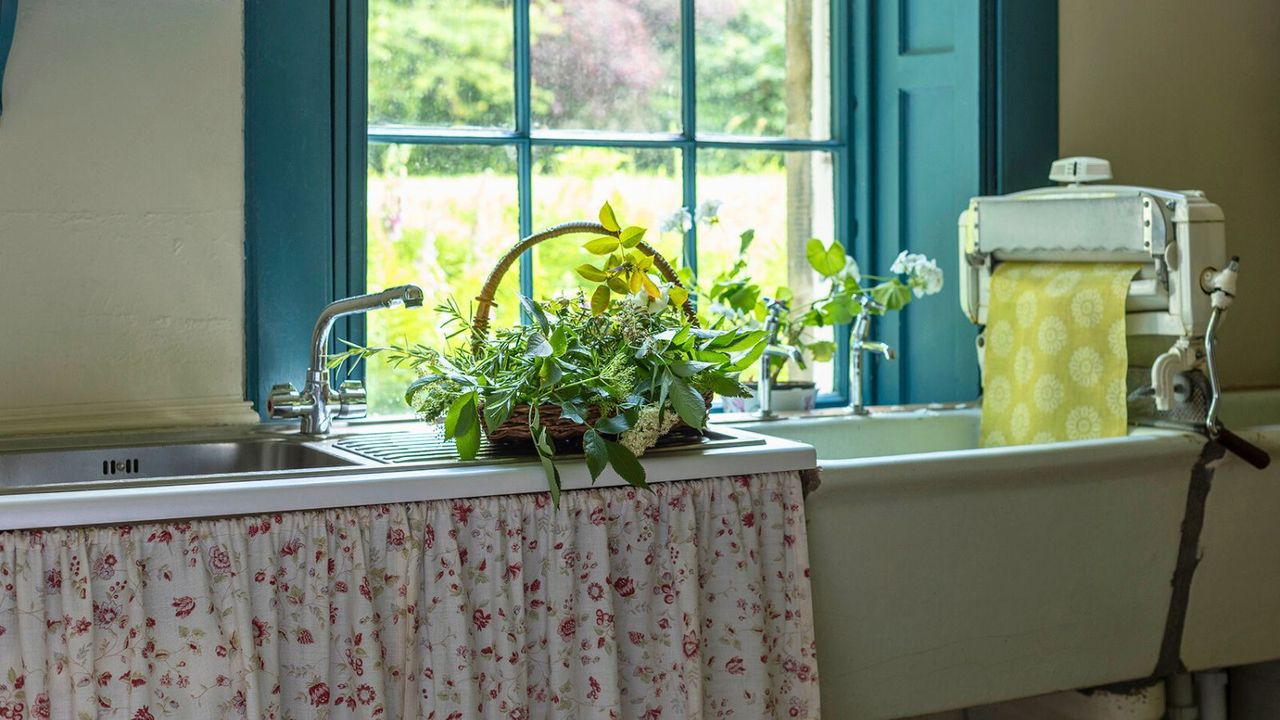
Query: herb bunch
(626, 364)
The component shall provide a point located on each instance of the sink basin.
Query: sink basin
(847, 437)
(114, 466)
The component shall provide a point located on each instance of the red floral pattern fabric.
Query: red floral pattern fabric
(689, 601)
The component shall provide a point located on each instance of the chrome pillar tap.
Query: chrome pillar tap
(859, 344)
(772, 349)
(318, 404)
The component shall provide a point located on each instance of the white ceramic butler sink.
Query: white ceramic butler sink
(947, 576)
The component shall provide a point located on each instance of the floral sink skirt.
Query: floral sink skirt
(690, 601)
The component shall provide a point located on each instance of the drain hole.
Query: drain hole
(125, 467)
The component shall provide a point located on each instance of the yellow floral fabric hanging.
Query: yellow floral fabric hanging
(1055, 353)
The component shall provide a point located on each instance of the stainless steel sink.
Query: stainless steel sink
(131, 465)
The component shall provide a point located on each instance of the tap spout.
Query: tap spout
(317, 405)
(409, 296)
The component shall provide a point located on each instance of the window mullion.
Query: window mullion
(524, 127)
(689, 122)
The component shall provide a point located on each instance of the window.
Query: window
(953, 99)
(490, 119)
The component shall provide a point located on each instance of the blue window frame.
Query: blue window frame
(932, 101)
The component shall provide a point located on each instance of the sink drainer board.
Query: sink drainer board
(407, 447)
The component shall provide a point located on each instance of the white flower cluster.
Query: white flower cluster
(647, 429)
(681, 220)
(678, 221)
(651, 305)
(923, 275)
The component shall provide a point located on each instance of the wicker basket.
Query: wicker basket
(560, 430)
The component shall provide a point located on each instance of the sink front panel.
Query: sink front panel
(25, 471)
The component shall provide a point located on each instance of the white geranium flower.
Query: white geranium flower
(678, 221)
(851, 270)
(708, 212)
(923, 275)
(926, 279)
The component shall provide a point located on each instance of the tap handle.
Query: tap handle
(285, 401)
(352, 400)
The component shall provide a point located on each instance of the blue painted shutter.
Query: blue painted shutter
(925, 140)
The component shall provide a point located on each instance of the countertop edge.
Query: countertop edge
(369, 486)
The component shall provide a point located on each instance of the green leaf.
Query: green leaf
(534, 310)
(624, 463)
(600, 300)
(630, 237)
(573, 410)
(745, 239)
(593, 446)
(619, 285)
(681, 338)
(452, 418)
(463, 427)
(892, 294)
(559, 341)
(828, 261)
(591, 272)
(689, 368)
(712, 356)
(728, 387)
(614, 425)
(822, 350)
(607, 218)
(602, 245)
(497, 408)
(553, 478)
(539, 346)
(688, 403)
(747, 359)
(468, 443)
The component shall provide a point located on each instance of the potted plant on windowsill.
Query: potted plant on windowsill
(607, 376)
(736, 300)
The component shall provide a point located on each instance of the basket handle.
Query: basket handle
(480, 325)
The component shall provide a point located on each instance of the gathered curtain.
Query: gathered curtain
(690, 600)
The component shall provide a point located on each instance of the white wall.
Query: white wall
(122, 215)
(1186, 94)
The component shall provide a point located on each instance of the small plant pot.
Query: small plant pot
(787, 397)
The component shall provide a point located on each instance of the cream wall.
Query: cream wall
(122, 215)
(121, 187)
(1186, 94)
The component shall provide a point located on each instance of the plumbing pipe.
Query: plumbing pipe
(1181, 694)
(1211, 686)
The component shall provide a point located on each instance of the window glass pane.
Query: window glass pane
(570, 183)
(787, 198)
(606, 64)
(443, 63)
(439, 216)
(764, 67)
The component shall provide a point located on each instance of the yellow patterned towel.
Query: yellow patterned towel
(1055, 353)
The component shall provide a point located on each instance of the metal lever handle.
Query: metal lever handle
(1246, 450)
(1224, 284)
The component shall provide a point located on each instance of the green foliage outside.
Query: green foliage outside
(440, 215)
